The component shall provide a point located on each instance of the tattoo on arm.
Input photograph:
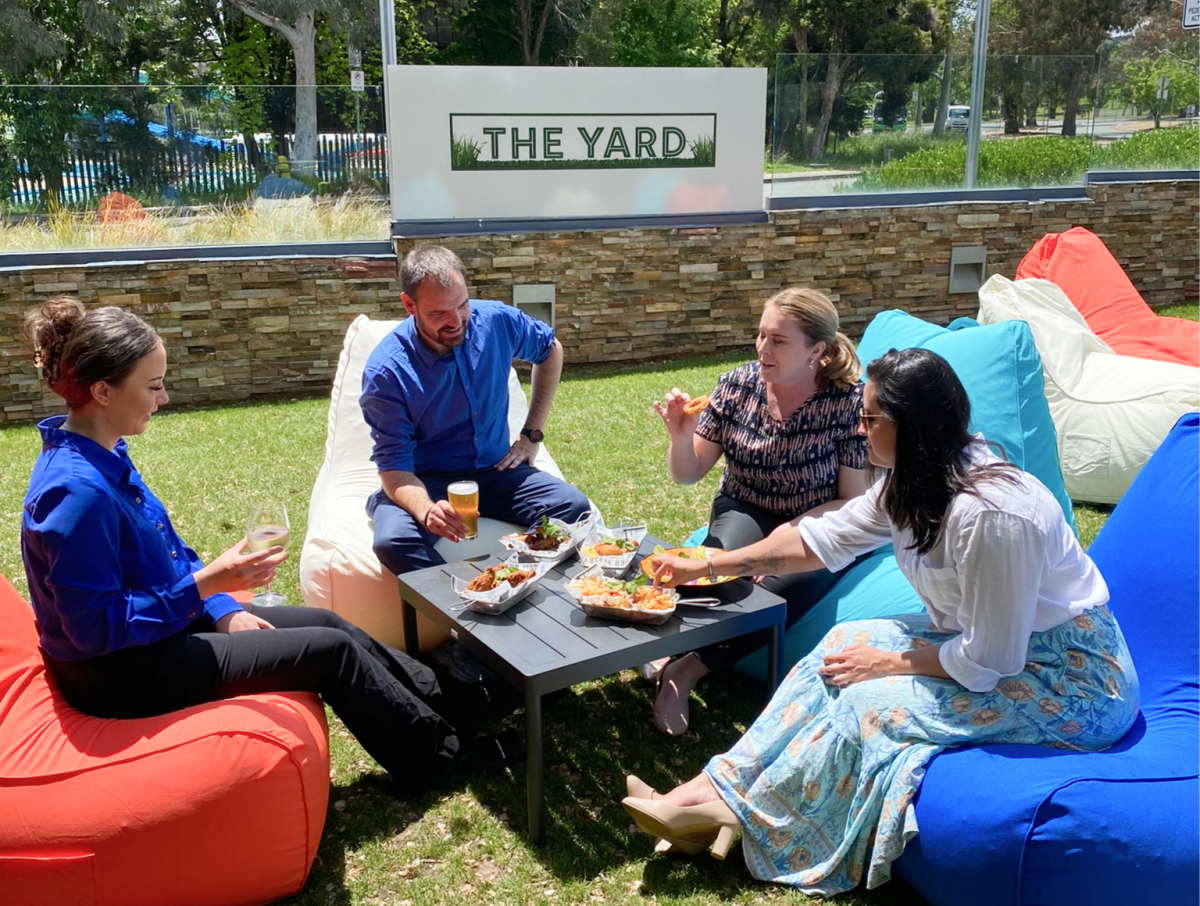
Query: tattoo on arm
(769, 564)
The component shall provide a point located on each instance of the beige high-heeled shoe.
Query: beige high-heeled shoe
(710, 824)
(636, 788)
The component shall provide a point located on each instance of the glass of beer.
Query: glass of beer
(464, 497)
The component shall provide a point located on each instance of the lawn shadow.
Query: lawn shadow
(597, 733)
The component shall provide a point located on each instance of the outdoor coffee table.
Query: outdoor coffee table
(546, 642)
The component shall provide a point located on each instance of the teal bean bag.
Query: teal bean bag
(1002, 373)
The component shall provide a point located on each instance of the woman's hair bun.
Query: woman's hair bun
(47, 328)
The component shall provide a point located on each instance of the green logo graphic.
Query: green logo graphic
(582, 141)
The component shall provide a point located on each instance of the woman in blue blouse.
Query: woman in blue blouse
(787, 426)
(134, 624)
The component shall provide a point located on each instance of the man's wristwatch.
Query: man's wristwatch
(534, 434)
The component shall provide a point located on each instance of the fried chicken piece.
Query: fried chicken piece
(610, 550)
(521, 575)
(485, 581)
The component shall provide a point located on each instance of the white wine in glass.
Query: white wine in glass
(267, 527)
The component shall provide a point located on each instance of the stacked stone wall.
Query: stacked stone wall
(248, 329)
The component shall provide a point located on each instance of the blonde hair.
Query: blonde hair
(817, 318)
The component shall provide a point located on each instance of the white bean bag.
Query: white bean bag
(338, 567)
(1110, 411)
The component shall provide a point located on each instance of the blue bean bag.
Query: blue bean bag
(1002, 373)
(1029, 826)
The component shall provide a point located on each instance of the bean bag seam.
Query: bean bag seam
(1035, 822)
(31, 780)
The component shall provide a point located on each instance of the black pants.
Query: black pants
(733, 524)
(408, 720)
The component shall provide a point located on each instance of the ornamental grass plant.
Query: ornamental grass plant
(328, 219)
(467, 845)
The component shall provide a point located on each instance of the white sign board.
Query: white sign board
(358, 81)
(473, 142)
(1191, 13)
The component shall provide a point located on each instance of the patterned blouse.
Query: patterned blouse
(784, 467)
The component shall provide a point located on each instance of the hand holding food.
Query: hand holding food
(674, 411)
(672, 571)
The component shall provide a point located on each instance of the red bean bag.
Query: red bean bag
(217, 804)
(1083, 268)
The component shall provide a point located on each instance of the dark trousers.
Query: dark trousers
(521, 495)
(395, 706)
(733, 524)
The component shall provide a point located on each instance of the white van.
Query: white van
(957, 117)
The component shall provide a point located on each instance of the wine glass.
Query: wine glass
(267, 527)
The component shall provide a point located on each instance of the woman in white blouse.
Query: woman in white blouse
(1017, 646)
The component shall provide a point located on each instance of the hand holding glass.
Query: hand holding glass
(464, 498)
(267, 527)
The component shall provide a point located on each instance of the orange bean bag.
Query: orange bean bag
(216, 804)
(1083, 268)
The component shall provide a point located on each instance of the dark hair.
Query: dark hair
(817, 319)
(429, 261)
(75, 347)
(919, 391)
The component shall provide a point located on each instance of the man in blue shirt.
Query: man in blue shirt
(435, 395)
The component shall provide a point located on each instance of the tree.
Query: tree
(57, 51)
(521, 33)
(655, 33)
(1074, 29)
(847, 33)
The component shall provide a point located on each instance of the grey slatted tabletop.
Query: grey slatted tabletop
(546, 642)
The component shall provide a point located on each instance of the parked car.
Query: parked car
(958, 117)
(899, 118)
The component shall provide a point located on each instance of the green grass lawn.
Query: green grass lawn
(467, 846)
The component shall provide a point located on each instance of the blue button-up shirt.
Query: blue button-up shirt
(432, 414)
(106, 569)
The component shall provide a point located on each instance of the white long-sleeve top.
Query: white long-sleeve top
(1006, 565)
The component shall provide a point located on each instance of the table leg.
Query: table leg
(534, 786)
(408, 619)
(774, 656)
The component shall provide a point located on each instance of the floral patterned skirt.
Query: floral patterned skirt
(824, 780)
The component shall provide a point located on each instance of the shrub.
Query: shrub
(1037, 161)
(866, 150)
(1177, 148)
(1045, 160)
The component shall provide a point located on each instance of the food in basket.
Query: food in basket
(494, 575)
(545, 536)
(699, 404)
(610, 547)
(598, 591)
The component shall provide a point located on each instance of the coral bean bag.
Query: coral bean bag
(215, 805)
(1010, 825)
(1078, 262)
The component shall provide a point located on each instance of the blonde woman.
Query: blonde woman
(787, 426)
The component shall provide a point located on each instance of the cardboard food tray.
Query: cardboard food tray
(577, 533)
(613, 565)
(594, 609)
(503, 596)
